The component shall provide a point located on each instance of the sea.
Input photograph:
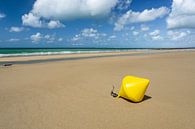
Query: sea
(13, 52)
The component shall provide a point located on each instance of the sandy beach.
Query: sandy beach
(75, 94)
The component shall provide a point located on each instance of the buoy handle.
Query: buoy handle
(112, 92)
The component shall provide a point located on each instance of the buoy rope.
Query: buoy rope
(112, 92)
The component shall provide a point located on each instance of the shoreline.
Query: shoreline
(32, 59)
(4, 54)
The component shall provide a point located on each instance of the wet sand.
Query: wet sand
(75, 94)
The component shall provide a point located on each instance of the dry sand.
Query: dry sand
(75, 94)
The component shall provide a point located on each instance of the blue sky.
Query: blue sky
(97, 23)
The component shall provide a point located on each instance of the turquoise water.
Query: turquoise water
(6, 52)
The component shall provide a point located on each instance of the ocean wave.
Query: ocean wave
(56, 53)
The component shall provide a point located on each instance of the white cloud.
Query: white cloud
(36, 37)
(112, 37)
(45, 38)
(34, 20)
(70, 9)
(88, 33)
(47, 13)
(132, 28)
(2, 15)
(119, 25)
(13, 40)
(76, 38)
(135, 33)
(60, 39)
(144, 28)
(182, 14)
(123, 4)
(138, 17)
(155, 35)
(49, 38)
(55, 24)
(16, 29)
(176, 35)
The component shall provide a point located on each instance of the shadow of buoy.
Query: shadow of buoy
(146, 97)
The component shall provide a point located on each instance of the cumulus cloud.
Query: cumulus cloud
(88, 33)
(16, 29)
(138, 17)
(45, 38)
(55, 10)
(112, 37)
(13, 40)
(50, 38)
(132, 28)
(123, 4)
(70, 9)
(176, 35)
(182, 14)
(135, 33)
(55, 24)
(34, 20)
(155, 35)
(2, 15)
(76, 38)
(144, 28)
(36, 37)
(60, 39)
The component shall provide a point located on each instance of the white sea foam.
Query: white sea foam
(88, 51)
(57, 53)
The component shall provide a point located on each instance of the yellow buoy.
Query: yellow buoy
(133, 88)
